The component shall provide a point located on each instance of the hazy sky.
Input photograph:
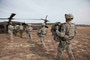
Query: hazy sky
(55, 9)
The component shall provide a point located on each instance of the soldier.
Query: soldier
(10, 31)
(42, 33)
(16, 27)
(21, 30)
(67, 33)
(29, 31)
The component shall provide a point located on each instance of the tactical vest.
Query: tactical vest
(10, 28)
(41, 32)
(69, 30)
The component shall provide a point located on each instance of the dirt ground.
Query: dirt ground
(26, 49)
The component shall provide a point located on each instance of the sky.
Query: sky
(55, 9)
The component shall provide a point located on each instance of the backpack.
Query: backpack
(55, 36)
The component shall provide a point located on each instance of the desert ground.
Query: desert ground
(26, 49)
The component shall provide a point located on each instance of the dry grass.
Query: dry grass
(24, 49)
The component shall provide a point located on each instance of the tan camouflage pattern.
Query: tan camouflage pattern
(42, 33)
(21, 30)
(68, 16)
(10, 31)
(68, 31)
(29, 31)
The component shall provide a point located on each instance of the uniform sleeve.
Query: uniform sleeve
(62, 33)
(39, 31)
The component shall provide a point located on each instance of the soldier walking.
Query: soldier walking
(10, 31)
(29, 31)
(67, 33)
(42, 33)
(21, 30)
(16, 27)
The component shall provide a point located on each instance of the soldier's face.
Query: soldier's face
(67, 20)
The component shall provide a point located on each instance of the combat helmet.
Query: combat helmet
(69, 16)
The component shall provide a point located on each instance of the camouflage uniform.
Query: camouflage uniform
(29, 31)
(10, 31)
(16, 28)
(67, 33)
(21, 30)
(42, 33)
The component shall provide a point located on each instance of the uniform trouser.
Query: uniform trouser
(11, 35)
(68, 49)
(29, 35)
(42, 41)
(21, 32)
